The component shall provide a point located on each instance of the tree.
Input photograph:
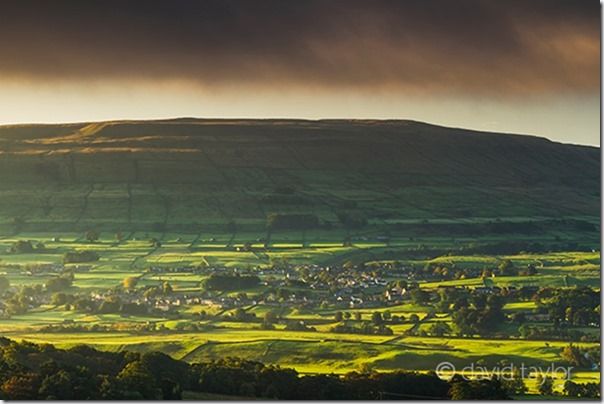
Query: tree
(151, 292)
(72, 257)
(136, 378)
(111, 304)
(546, 385)
(4, 283)
(166, 288)
(573, 355)
(22, 247)
(60, 298)
(514, 385)
(531, 270)
(506, 268)
(130, 282)
(376, 318)
(291, 221)
(58, 386)
(22, 387)
(419, 296)
(270, 317)
(231, 282)
(482, 389)
(519, 317)
(58, 284)
(439, 329)
(91, 236)
(572, 389)
(338, 316)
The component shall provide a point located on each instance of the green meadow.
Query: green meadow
(342, 245)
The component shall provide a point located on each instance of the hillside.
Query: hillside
(190, 174)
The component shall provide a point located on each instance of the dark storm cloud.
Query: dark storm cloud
(506, 47)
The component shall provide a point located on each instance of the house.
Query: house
(395, 294)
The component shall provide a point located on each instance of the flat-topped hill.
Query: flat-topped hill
(187, 172)
(406, 148)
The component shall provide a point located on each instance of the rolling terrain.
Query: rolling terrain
(191, 175)
(361, 243)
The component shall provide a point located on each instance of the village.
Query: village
(307, 287)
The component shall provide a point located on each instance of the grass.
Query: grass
(405, 179)
(308, 352)
(311, 352)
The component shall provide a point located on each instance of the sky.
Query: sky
(513, 66)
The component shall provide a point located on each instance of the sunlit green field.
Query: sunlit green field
(320, 351)
(310, 352)
(401, 200)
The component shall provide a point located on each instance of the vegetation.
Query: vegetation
(33, 372)
(74, 257)
(230, 282)
(359, 254)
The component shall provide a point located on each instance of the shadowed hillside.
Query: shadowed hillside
(187, 174)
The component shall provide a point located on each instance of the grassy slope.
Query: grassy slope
(184, 181)
(200, 175)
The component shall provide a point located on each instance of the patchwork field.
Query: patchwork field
(305, 244)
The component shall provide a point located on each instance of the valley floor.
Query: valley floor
(296, 315)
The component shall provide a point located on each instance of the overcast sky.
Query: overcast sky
(523, 66)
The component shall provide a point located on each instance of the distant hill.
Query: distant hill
(184, 174)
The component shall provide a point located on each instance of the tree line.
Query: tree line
(31, 372)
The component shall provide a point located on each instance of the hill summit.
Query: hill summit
(195, 172)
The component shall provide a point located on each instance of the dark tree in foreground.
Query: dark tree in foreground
(32, 372)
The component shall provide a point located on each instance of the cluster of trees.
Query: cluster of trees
(111, 304)
(439, 329)
(285, 199)
(292, 221)
(578, 306)
(365, 328)
(580, 357)
(59, 283)
(447, 272)
(480, 317)
(91, 236)
(480, 389)
(558, 333)
(377, 325)
(352, 220)
(153, 291)
(518, 246)
(480, 313)
(298, 325)
(231, 282)
(23, 299)
(26, 297)
(239, 314)
(130, 282)
(31, 372)
(76, 257)
(377, 317)
(139, 328)
(26, 247)
(586, 390)
(4, 284)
